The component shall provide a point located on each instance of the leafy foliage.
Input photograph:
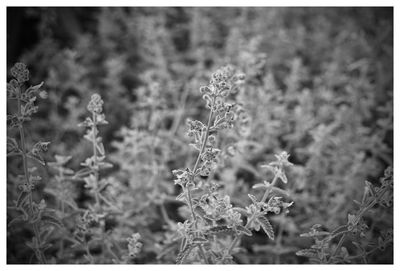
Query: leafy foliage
(168, 174)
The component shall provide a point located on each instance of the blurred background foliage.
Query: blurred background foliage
(319, 84)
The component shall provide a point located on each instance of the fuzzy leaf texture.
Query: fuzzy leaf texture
(266, 226)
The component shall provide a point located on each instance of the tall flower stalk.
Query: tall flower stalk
(96, 213)
(200, 233)
(31, 212)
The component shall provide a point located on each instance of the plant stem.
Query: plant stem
(339, 245)
(96, 170)
(189, 196)
(205, 138)
(198, 161)
(39, 252)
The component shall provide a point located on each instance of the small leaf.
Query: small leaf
(181, 196)
(253, 198)
(35, 88)
(82, 173)
(266, 226)
(199, 240)
(310, 253)
(38, 158)
(351, 219)
(52, 220)
(315, 234)
(259, 186)
(219, 229)
(12, 143)
(244, 230)
(62, 160)
(100, 148)
(71, 203)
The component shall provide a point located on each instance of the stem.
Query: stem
(266, 194)
(165, 214)
(337, 234)
(189, 200)
(62, 210)
(339, 245)
(205, 138)
(87, 248)
(198, 161)
(40, 254)
(180, 111)
(189, 196)
(96, 171)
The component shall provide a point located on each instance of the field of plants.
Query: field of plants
(199, 135)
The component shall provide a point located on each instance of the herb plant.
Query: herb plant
(37, 215)
(219, 189)
(212, 214)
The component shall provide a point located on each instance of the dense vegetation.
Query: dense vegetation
(200, 135)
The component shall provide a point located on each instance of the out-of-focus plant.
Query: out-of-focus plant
(375, 199)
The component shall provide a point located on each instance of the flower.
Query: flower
(96, 104)
(134, 246)
(20, 72)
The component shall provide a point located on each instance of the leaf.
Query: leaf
(52, 220)
(183, 243)
(199, 240)
(81, 173)
(71, 203)
(253, 198)
(181, 196)
(35, 88)
(12, 143)
(266, 226)
(219, 229)
(281, 175)
(38, 158)
(371, 189)
(315, 234)
(310, 253)
(259, 186)
(62, 160)
(105, 165)
(244, 230)
(351, 219)
(100, 148)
